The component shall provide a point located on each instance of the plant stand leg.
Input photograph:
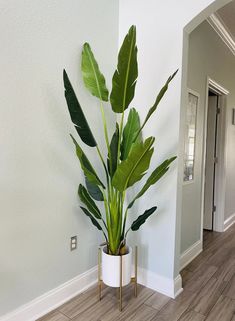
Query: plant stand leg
(99, 275)
(136, 263)
(134, 279)
(120, 288)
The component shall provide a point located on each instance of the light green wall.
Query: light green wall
(208, 56)
(39, 170)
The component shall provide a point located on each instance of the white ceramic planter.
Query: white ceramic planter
(111, 268)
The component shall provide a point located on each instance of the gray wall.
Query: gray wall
(208, 56)
(39, 170)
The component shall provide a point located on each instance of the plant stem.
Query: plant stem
(105, 225)
(105, 128)
(105, 237)
(108, 147)
(120, 137)
(102, 160)
(127, 232)
(124, 222)
(107, 217)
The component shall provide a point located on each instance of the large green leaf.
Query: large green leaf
(94, 190)
(134, 167)
(142, 218)
(153, 178)
(129, 133)
(112, 163)
(88, 201)
(87, 168)
(124, 78)
(77, 116)
(93, 220)
(92, 77)
(159, 98)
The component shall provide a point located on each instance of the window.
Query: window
(190, 136)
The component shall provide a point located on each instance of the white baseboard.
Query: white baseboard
(54, 298)
(190, 254)
(164, 285)
(229, 222)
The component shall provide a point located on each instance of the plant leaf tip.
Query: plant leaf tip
(86, 45)
(64, 74)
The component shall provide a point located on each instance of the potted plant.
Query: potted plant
(127, 160)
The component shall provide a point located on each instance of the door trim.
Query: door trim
(221, 142)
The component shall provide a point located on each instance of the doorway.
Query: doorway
(200, 62)
(210, 200)
(213, 191)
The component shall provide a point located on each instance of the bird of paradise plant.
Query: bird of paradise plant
(128, 154)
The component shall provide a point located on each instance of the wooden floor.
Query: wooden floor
(209, 292)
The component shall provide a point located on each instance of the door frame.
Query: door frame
(221, 154)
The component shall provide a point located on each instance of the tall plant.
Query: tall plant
(128, 154)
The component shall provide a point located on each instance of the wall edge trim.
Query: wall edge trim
(191, 253)
(66, 291)
(222, 31)
(167, 286)
(53, 298)
(229, 222)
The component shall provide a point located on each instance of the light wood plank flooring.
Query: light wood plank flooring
(209, 292)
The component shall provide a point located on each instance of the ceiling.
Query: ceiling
(227, 16)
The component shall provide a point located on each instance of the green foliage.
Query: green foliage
(124, 78)
(76, 114)
(130, 131)
(128, 155)
(135, 166)
(93, 220)
(94, 190)
(92, 77)
(153, 178)
(88, 201)
(112, 164)
(142, 218)
(86, 166)
(159, 98)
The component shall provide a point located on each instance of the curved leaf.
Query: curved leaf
(129, 133)
(112, 165)
(134, 167)
(142, 218)
(124, 78)
(92, 77)
(87, 168)
(88, 201)
(153, 178)
(93, 220)
(76, 114)
(159, 98)
(94, 190)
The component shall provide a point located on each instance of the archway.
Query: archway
(190, 250)
(161, 31)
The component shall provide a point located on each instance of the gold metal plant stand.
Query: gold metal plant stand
(133, 279)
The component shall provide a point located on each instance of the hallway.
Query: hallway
(209, 292)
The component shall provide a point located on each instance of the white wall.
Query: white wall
(160, 41)
(208, 56)
(39, 170)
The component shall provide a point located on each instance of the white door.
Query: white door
(209, 200)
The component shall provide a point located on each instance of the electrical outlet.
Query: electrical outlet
(73, 243)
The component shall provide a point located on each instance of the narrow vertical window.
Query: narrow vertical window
(190, 136)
